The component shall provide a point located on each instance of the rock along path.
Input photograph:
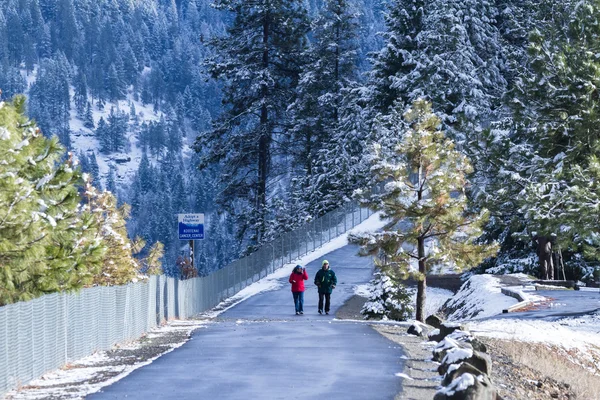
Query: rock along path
(260, 349)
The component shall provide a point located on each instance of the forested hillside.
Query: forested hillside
(263, 114)
(124, 85)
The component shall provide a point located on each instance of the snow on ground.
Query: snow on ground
(84, 139)
(479, 297)
(434, 299)
(577, 339)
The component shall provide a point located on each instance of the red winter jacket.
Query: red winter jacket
(297, 280)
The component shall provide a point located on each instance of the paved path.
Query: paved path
(560, 304)
(260, 350)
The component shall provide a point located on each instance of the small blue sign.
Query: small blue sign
(191, 226)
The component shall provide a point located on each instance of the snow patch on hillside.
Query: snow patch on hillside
(479, 297)
(126, 163)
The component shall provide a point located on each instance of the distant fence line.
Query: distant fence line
(46, 333)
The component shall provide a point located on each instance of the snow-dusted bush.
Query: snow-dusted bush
(387, 299)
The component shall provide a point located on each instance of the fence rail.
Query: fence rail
(46, 333)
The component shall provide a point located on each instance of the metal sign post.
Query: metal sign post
(192, 253)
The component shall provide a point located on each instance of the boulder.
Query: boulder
(446, 328)
(435, 336)
(456, 370)
(434, 321)
(465, 336)
(415, 329)
(447, 344)
(468, 386)
(478, 359)
(478, 345)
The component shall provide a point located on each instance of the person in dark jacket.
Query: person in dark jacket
(325, 280)
(297, 278)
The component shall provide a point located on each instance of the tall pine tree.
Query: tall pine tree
(47, 243)
(259, 63)
(423, 194)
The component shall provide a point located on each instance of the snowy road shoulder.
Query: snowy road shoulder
(90, 374)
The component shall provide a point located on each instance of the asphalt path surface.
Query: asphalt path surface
(559, 304)
(260, 349)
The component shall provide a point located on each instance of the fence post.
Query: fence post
(314, 234)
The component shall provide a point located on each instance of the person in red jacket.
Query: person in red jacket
(297, 278)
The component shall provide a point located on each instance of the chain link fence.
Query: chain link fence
(46, 333)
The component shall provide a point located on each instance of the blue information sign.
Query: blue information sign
(191, 226)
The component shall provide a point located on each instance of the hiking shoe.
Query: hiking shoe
(297, 313)
(320, 311)
(327, 312)
(301, 312)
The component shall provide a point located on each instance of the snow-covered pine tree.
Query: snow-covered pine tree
(404, 21)
(88, 117)
(111, 179)
(80, 97)
(556, 127)
(49, 99)
(340, 167)
(259, 63)
(47, 242)
(321, 100)
(118, 265)
(388, 299)
(447, 51)
(94, 170)
(424, 182)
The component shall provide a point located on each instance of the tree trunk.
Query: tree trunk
(264, 140)
(422, 284)
(308, 149)
(337, 72)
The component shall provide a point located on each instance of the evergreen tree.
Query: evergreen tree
(119, 266)
(83, 162)
(49, 99)
(424, 197)
(340, 167)
(88, 118)
(44, 247)
(80, 97)
(111, 180)
(260, 60)
(317, 110)
(550, 152)
(112, 133)
(448, 51)
(94, 171)
(145, 174)
(387, 299)
(114, 86)
(11, 81)
(404, 21)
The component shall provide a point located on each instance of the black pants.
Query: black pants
(327, 301)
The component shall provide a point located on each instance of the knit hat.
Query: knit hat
(324, 262)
